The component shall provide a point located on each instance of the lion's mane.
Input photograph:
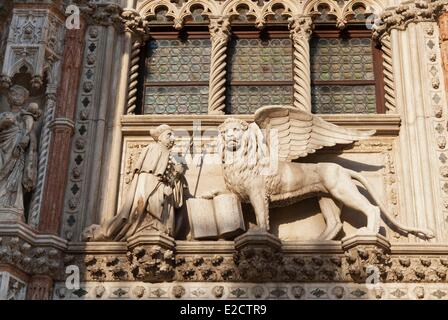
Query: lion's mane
(249, 161)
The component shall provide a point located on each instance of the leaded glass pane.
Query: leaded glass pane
(341, 59)
(176, 100)
(260, 60)
(343, 99)
(176, 60)
(247, 99)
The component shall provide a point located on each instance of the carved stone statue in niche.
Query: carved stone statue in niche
(155, 191)
(18, 153)
(257, 168)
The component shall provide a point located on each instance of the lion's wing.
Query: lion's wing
(301, 133)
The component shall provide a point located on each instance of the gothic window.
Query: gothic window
(346, 72)
(259, 71)
(177, 68)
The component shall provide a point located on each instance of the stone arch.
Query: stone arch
(188, 10)
(352, 8)
(247, 8)
(285, 8)
(320, 8)
(19, 65)
(151, 8)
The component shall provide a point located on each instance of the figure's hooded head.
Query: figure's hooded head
(163, 134)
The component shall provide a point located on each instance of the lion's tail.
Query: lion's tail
(421, 233)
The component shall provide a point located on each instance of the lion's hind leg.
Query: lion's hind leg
(331, 212)
(340, 185)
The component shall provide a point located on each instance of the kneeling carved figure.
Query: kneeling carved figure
(248, 156)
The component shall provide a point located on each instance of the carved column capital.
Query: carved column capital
(219, 29)
(108, 14)
(301, 27)
(134, 23)
(400, 16)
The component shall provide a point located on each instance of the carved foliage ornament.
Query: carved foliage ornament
(257, 12)
(399, 17)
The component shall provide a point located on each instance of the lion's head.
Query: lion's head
(232, 133)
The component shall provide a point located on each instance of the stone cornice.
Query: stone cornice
(409, 12)
(384, 124)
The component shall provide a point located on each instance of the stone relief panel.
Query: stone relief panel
(375, 158)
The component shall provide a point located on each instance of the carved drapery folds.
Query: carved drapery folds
(219, 34)
(301, 29)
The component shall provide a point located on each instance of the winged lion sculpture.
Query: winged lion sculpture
(245, 147)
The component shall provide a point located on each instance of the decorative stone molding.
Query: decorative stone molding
(439, 113)
(301, 29)
(244, 291)
(30, 253)
(85, 107)
(258, 264)
(411, 11)
(28, 257)
(258, 12)
(219, 35)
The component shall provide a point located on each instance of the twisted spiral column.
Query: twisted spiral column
(300, 31)
(133, 76)
(44, 147)
(219, 33)
(389, 88)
